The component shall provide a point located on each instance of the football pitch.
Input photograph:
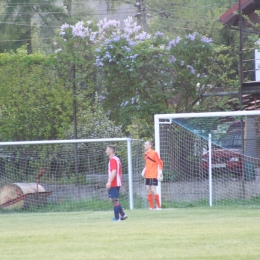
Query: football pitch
(178, 233)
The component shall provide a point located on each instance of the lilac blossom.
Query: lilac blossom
(178, 39)
(116, 38)
(107, 56)
(142, 36)
(124, 104)
(134, 56)
(127, 49)
(101, 98)
(63, 28)
(131, 43)
(58, 50)
(173, 43)
(192, 70)
(172, 59)
(192, 37)
(93, 36)
(206, 39)
(158, 34)
(130, 27)
(79, 30)
(104, 24)
(98, 62)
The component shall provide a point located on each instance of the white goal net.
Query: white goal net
(67, 175)
(209, 158)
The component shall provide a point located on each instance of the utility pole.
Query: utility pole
(68, 5)
(241, 70)
(241, 78)
(141, 14)
(138, 15)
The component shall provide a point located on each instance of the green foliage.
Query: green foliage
(186, 16)
(34, 104)
(93, 122)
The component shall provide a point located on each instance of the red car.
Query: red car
(223, 160)
(227, 156)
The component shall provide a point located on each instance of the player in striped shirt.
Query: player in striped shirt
(114, 182)
(151, 174)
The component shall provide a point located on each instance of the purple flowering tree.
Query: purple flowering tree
(147, 74)
(138, 74)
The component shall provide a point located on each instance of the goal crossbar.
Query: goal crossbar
(206, 114)
(72, 141)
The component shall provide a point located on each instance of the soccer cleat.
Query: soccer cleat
(158, 208)
(123, 217)
(151, 208)
(114, 219)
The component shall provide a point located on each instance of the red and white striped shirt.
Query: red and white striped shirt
(115, 164)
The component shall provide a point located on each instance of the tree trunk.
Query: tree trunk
(29, 34)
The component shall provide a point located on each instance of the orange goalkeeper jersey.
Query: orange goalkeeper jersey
(152, 161)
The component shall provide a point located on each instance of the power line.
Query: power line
(25, 39)
(29, 25)
(40, 3)
(16, 13)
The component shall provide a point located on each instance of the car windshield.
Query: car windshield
(231, 141)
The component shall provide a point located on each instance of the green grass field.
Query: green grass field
(180, 233)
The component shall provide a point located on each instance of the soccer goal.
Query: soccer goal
(209, 158)
(67, 175)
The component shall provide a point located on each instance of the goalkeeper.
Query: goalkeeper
(151, 174)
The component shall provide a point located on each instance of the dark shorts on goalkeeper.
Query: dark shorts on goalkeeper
(151, 181)
(113, 192)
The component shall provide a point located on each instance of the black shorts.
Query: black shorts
(151, 181)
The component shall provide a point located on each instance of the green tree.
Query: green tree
(181, 17)
(34, 104)
(94, 122)
(19, 21)
(139, 75)
(155, 75)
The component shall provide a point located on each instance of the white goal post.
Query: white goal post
(67, 174)
(197, 131)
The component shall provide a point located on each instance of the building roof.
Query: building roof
(231, 17)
